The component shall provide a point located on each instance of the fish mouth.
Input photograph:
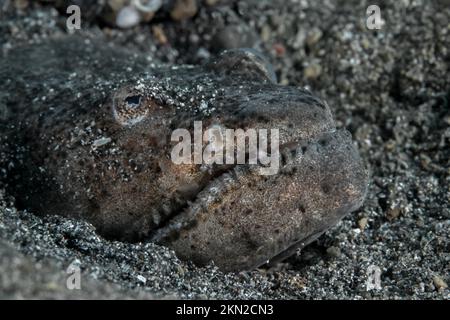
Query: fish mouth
(242, 220)
(223, 180)
(182, 217)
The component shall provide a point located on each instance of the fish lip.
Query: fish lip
(171, 224)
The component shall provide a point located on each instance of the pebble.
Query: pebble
(297, 281)
(393, 214)
(334, 252)
(21, 4)
(280, 49)
(116, 5)
(147, 5)
(439, 283)
(101, 142)
(235, 36)
(211, 2)
(313, 37)
(147, 9)
(128, 17)
(159, 34)
(141, 279)
(313, 71)
(362, 223)
(184, 9)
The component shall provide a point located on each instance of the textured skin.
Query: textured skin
(92, 124)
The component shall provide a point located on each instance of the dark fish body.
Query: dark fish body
(90, 128)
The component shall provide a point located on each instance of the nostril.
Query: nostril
(133, 101)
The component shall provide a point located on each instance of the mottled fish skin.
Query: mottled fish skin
(91, 124)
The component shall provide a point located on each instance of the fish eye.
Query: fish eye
(133, 101)
(129, 106)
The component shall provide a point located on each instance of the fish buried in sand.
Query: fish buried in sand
(89, 128)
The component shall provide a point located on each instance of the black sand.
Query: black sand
(390, 88)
